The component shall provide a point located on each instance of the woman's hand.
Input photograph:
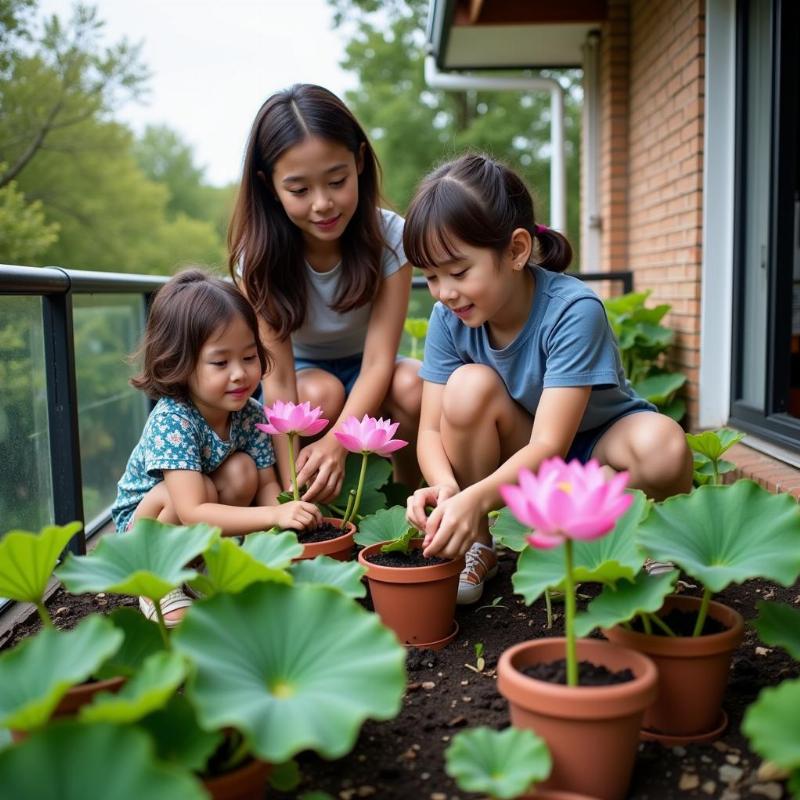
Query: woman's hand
(297, 515)
(427, 496)
(453, 526)
(321, 464)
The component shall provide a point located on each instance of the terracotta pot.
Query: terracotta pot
(417, 603)
(592, 731)
(78, 696)
(244, 783)
(692, 673)
(340, 548)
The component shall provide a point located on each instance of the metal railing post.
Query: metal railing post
(62, 406)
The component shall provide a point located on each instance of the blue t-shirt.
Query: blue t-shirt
(177, 436)
(566, 341)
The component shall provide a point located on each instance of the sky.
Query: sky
(213, 62)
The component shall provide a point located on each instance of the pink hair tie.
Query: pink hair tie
(540, 229)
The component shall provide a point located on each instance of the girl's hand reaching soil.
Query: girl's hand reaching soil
(297, 515)
(425, 497)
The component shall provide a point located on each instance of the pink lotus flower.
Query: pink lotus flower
(369, 436)
(567, 501)
(293, 419)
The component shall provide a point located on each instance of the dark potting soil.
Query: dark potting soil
(588, 674)
(322, 533)
(681, 623)
(402, 759)
(413, 558)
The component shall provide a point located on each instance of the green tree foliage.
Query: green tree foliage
(413, 127)
(24, 232)
(59, 90)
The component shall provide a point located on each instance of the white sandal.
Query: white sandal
(175, 600)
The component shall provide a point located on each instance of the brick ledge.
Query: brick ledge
(774, 475)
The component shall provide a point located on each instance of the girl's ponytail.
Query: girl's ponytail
(554, 250)
(476, 200)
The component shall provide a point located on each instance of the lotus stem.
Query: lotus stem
(237, 756)
(360, 488)
(413, 347)
(293, 468)
(569, 588)
(351, 497)
(702, 613)
(661, 624)
(548, 604)
(715, 465)
(162, 625)
(44, 615)
(646, 626)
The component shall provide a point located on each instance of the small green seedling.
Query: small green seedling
(402, 544)
(480, 662)
(707, 450)
(417, 329)
(494, 604)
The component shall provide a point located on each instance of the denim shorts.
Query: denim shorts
(585, 441)
(346, 369)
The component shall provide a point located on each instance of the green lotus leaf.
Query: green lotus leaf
(27, 560)
(706, 467)
(778, 624)
(75, 761)
(274, 550)
(378, 471)
(609, 559)
(620, 603)
(292, 667)
(343, 575)
(178, 737)
(230, 568)
(142, 639)
(160, 675)
(509, 531)
(712, 444)
(316, 796)
(660, 388)
(772, 724)
(726, 534)
(382, 526)
(674, 409)
(793, 784)
(36, 674)
(503, 764)
(148, 560)
(285, 777)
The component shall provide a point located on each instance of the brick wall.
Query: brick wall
(652, 79)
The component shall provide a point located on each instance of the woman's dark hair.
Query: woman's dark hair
(185, 313)
(266, 253)
(478, 201)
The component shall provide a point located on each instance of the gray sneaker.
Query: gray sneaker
(481, 564)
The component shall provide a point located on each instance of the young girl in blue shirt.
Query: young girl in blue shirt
(520, 364)
(200, 457)
(324, 267)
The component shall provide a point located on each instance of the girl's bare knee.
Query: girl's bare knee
(236, 480)
(469, 392)
(405, 392)
(321, 389)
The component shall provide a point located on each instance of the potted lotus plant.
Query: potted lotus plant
(415, 596)
(585, 697)
(503, 765)
(333, 537)
(310, 664)
(718, 536)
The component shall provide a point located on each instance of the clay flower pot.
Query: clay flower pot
(75, 698)
(556, 795)
(340, 548)
(692, 674)
(592, 731)
(417, 603)
(243, 783)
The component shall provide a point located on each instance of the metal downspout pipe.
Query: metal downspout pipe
(558, 177)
